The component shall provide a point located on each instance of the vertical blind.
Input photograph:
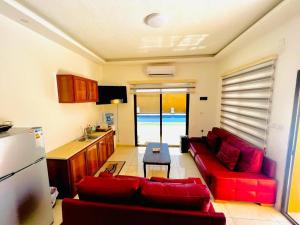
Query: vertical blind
(246, 102)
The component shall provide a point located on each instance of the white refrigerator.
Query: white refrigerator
(24, 184)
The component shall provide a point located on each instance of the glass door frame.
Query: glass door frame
(291, 153)
(187, 112)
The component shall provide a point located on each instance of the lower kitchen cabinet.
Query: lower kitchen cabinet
(102, 151)
(92, 159)
(78, 169)
(66, 173)
(110, 144)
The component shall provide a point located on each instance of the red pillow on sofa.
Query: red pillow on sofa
(103, 189)
(251, 157)
(189, 180)
(141, 179)
(174, 195)
(213, 141)
(228, 155)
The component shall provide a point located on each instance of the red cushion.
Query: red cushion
(105, 174)
(173, 195)
(141, 179)
(189, 180)
(228, 155)
(102, 189)
(223, 134)
(251, 157)
(213, 141)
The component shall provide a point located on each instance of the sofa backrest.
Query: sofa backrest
(223, 134)
(78, 212)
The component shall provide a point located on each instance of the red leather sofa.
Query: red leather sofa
(131, 200)
(251, 180)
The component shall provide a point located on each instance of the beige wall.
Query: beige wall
(278, 33)
(203, 114)
(28, 93)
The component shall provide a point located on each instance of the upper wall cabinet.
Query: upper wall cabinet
(72, 89)
(92, 91)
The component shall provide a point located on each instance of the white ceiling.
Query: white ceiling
(114, 29)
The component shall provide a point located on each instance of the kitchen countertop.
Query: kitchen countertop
(66, 151)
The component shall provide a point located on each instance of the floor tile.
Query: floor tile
(239, 221)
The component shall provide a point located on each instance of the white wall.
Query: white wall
(202, 113)
(28, 93)
(278, 33)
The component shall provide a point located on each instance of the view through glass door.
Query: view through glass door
(148, 118)
(173, 117)
(161, 117)
(291, 193)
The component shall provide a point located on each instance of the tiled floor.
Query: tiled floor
(295, 216)
(237, 213)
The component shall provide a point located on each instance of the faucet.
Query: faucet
(87, 131)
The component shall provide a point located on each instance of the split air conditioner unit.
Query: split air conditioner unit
(160, 70)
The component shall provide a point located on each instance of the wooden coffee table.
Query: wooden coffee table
(161, 158)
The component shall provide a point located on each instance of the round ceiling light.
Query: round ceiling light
(155, 20)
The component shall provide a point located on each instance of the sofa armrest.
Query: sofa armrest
(198, 139)
(268, 167)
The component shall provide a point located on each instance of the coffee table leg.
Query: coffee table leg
(169, 170)
(144, 169)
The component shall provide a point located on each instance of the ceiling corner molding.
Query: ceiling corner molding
(163, 59)
(244, 31)
(250, 64)
(19, 13)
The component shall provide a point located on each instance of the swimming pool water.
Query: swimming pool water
(165, 118)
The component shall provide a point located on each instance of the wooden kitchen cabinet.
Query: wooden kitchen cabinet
(75, 89)
(66, 171)
(65, 87)
(78, 169)
(92, 159)
(80, 89)
(110, 144)
(102, 151)
(92, 91)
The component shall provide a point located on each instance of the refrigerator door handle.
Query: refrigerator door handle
(38, 160)
(6, 176)
(13, 173)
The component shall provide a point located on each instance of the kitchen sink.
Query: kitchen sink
(91, 137)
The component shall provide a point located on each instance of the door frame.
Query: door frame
(187, 112)
(291, 153)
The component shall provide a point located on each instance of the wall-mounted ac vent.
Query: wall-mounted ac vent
(160, 70)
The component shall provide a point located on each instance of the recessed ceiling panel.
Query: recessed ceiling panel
(115, 29)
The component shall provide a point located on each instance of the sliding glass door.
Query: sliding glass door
(161, 117)
(148, 118)
(173, 117)
(291, 194)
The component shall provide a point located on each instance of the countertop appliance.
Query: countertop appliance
(24, 185)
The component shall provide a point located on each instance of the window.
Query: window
(246, 102)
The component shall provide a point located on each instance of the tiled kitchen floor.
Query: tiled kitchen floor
(237, 213)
